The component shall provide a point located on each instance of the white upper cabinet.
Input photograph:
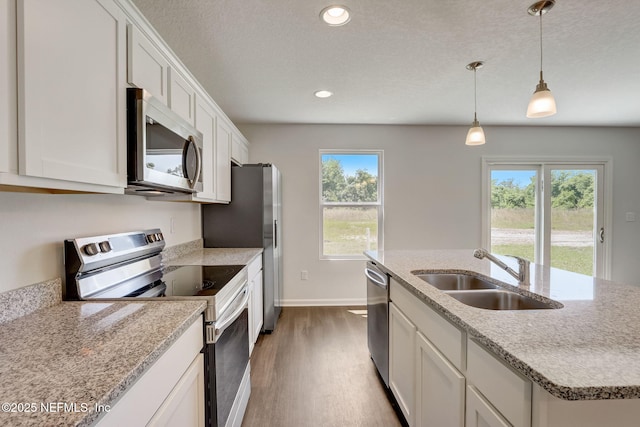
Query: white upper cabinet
(182, 96)
(8, 101)
(66, 65)
(239, 149)
(206, 123)
(71, 59)
(223, 160)
(147, 68)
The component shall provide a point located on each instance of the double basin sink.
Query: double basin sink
(478, 292)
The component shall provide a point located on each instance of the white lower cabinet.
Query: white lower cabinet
(442, 377)
(185, 405)
(402, 370)
(256, 311)
(508, 391)
(440, 388)
(170, 392)
(437, 374)
(480, 413)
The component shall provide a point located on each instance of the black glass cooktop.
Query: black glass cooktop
(192, 280)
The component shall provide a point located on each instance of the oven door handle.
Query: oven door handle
(227, 321)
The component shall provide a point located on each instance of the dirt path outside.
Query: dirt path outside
(506, 236)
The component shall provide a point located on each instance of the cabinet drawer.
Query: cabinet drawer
(508, 391)
(449, 340)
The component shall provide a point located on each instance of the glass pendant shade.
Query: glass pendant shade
(475, 136)
(542, 104)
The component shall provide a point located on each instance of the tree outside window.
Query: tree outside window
(350, 203)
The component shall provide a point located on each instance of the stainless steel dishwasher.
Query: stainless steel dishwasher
(378, 318)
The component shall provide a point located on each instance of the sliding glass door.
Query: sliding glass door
(550, 213)
(575, 229)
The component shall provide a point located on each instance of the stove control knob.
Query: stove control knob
(105, 246)
(159, 237)
(91, 249)
(151, 238)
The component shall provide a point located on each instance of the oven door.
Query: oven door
(226, 359)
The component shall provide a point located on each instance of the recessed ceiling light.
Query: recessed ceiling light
(322, 93)
(335, 15)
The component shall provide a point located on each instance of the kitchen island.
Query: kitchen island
(583, 357)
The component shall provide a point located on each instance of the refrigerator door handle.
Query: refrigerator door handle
(275, 233)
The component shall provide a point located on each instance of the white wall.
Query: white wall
(432, 191)
(33, 227)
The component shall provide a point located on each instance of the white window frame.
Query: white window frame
(380, 203)
(543, 165)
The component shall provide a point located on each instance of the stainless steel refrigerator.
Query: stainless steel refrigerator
(252, 220)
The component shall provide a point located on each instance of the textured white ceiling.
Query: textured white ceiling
(403, 62)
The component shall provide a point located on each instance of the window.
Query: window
(350, 203)
(550, 212)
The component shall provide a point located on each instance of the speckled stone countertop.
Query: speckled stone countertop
(589, 349)
(83, 353)
(216, 256)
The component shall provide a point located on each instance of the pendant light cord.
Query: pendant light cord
(540, 45)
(475, 95)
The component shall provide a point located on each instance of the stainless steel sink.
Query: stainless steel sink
(455, 281)
(499, 299)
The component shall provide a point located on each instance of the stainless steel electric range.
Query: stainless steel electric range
(129, 266)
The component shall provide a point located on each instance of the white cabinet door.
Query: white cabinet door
(480, 413)
(258, 308)
(402, 343)
(223, 160)
(161, 390)
(8, 99)
(239, 151)
(182, 96)
(71, 93)
(206, 123)
(440, 388)
(508, 391)
(252, 337)
(185, 405)
(147, 68)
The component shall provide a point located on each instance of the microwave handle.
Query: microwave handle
(194, 180)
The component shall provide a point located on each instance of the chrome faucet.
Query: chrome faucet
(522, 276)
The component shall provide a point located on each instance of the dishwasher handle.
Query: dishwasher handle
(376, 277)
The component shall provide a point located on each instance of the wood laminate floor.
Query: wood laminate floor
(315, 370)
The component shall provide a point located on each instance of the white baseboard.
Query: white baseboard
(322, 302)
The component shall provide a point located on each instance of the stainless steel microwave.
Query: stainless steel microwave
(164, 152)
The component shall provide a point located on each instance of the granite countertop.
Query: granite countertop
(589, 349)
(216, 256)
(83, 354)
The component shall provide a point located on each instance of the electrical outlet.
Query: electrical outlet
(304, 275)
(630, 216)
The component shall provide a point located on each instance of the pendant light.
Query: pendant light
(542, 103)
(475, 136)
